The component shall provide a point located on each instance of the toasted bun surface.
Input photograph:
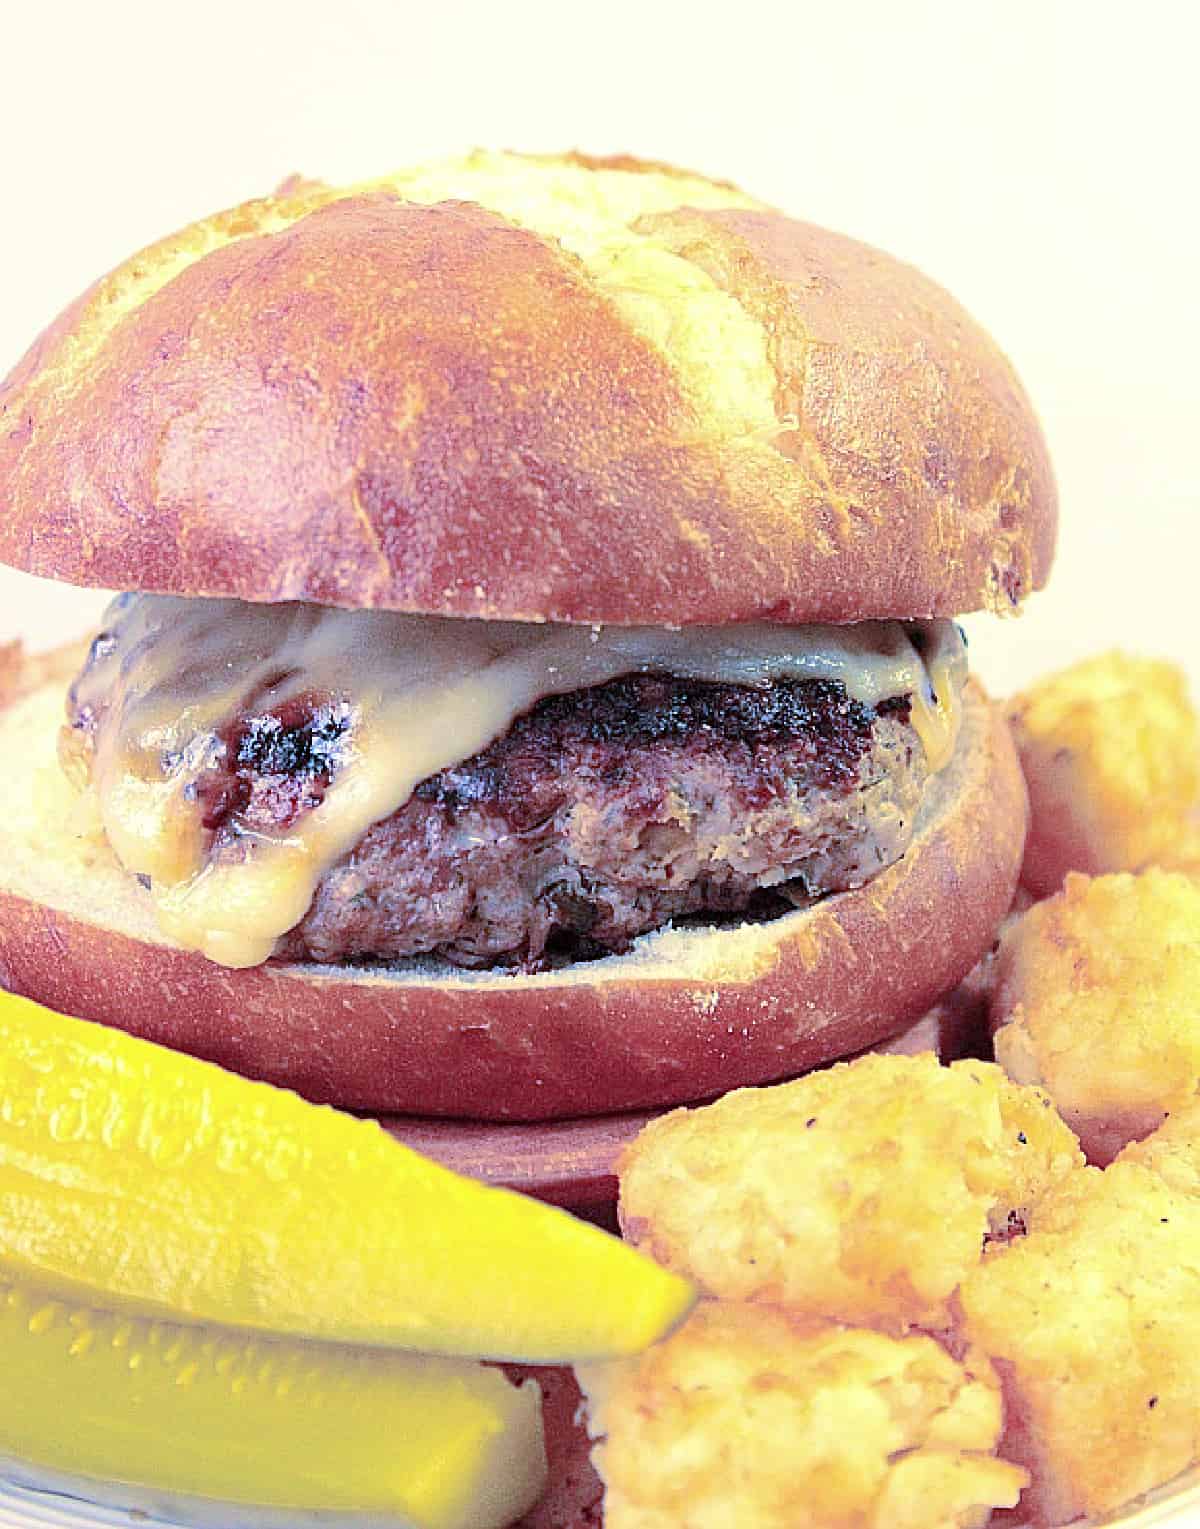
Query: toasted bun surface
(686, 1015)
(527, 388)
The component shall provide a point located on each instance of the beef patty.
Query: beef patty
(609, 812)
(600, 815)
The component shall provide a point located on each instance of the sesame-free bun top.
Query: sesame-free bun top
(517, 387)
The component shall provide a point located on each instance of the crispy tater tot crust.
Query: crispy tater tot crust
(1098, 1001)
(1173, 1151)
(1093, 1321)
(753, 1417)
(863, 1193)
(1111, 753)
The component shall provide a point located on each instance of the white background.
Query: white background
(1040, 159)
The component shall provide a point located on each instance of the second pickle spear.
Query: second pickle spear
(130, 1173)
(136, 1412)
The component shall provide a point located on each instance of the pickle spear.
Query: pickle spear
(238, 1418)
(130, 1174)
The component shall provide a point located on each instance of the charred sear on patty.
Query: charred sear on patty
(275, 766)
(600, 815)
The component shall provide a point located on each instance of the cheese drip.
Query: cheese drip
(419, 694)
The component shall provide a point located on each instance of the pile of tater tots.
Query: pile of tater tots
(932, 1291)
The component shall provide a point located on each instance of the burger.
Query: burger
(535, 690)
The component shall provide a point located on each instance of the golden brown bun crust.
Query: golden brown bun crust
(719, 1009)
(354, 399)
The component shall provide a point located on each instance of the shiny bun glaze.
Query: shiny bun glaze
(537, 388)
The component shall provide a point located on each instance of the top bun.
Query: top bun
(529, 388)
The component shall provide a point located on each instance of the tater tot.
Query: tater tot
(1093, 1319)
(1173, 1151)
(862, 1193)
(750, 1416)
(1111, 754)
(1098, 1002)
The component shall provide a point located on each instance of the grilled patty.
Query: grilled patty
(609, 812)
(600, 815)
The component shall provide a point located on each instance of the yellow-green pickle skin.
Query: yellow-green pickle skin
(233, 1417)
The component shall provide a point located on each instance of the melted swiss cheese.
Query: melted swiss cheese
(422, 694)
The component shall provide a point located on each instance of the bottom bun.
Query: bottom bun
(687, 1014)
